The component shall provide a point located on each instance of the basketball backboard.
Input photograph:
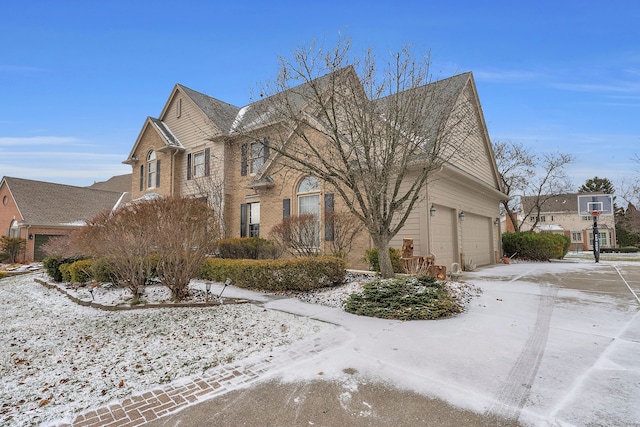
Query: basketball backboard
(590, 203)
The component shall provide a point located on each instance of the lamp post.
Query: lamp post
(226, 283)
(208, 288)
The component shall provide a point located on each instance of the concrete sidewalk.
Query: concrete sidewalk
(546, 344)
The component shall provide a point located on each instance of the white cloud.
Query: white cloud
(506, 76)
(37, 140)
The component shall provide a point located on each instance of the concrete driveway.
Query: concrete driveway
(548, 344)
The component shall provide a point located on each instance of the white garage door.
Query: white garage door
(476, 239)
(443, 239)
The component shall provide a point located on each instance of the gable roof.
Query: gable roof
(45, 203)
(260, 113)
(118, 183)
(221, 114)
(449, 89)
(559, 203)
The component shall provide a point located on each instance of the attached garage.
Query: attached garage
(445, 240)
(39, 241)
(477, 238)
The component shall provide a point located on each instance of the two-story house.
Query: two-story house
(560, 214)
(193, 149)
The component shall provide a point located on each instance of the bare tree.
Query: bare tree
(628, 222)
(373, 130)
(628, 188)
(171, 236)
(525, 174)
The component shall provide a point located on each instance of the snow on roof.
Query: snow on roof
(550, 227)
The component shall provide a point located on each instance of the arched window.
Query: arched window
(309, 202)
(151, 169)
(14, 231)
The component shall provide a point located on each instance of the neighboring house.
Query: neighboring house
(559, 215)
(37, 211)
(191, 149)
(119, 184)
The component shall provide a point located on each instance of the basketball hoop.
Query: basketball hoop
(595, 213)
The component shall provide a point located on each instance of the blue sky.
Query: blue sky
(78, 78)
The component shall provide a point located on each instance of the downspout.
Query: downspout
(26, 247)
(173, 171)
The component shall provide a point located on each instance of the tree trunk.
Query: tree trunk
(381, 243)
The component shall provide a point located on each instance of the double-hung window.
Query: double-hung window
(198, 164)
(254, 220)
(151, 169)
(254, 156)
(250, 219)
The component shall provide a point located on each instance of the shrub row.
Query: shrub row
(247, 248)
(623, 250)
(52, 265)
(535, 246)
(85, 270)
(300, 274)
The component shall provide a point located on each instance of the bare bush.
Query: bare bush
(63, 246)
(298, 234)
(168, 236)
(188, 231)
(345, 227)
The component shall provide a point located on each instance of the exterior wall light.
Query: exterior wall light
(432, 210)
(461, 215)
(496, 222)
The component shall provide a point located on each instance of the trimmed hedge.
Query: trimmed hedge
(624, 250)
(535, 246)
(247, 248)
(295, 274)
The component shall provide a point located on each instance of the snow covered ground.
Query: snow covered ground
(58, 358)
(548, 344)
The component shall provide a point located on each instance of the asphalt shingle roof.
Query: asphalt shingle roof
(219, 112)
(46, 203)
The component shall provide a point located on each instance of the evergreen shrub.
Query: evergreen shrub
(102, 271)
(535, 246)
(404, 298)
(295, 274)
(247, 248)
(52, 265)
(65, 273)
(81, 271)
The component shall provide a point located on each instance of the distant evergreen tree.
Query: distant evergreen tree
(597, 185)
